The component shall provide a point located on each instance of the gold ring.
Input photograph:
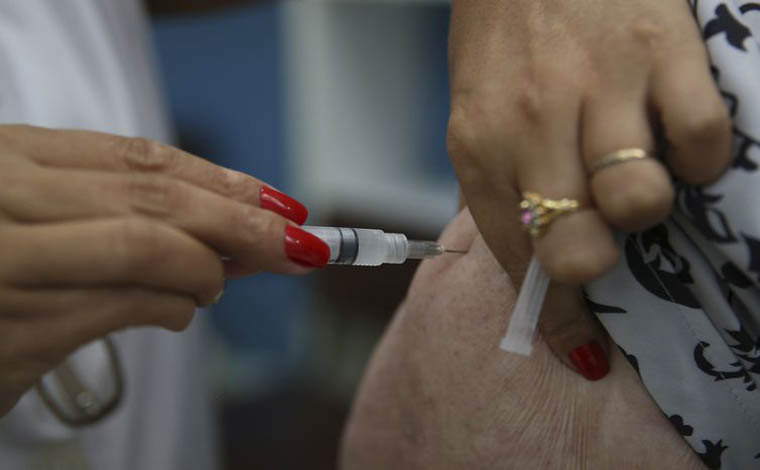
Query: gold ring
(537, 212)
(618, 156)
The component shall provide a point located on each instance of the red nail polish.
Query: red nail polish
(305, 248)
(590, 360)
(281, 203)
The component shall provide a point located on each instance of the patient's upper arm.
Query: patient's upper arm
(439, 394)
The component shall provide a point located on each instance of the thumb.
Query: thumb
(573, 333)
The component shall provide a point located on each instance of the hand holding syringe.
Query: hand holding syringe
(369, 247)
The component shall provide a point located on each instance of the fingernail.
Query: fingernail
(281, 203)
(305, 248)
(590, 360)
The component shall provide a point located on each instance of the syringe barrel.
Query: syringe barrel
(362, 247)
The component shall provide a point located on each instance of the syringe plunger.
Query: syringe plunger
(369, 247)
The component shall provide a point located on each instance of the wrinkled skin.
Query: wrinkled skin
(439, 394)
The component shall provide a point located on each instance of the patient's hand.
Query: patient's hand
(439, 394)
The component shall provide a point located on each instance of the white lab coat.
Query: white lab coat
(88, 64)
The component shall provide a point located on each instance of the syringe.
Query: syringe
(369, 247)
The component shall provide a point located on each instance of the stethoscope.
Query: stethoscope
(76, 404)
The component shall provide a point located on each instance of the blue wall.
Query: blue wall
(222, 76)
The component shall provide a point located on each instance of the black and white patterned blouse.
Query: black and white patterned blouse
(684, 302)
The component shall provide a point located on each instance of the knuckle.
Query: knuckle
(238, 185)
(255, 228)
(140, 154)
(137, 246)
(460, 134)
(530, 105)
(468, 137)
(535, 100)
(647, 32)
(638, 204)
(701, 145)
(580, 265)
(140, 245)
(153, 195)
(704, 127)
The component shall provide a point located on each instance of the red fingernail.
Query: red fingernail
(590, 360)
(281, 203)
(305, 248)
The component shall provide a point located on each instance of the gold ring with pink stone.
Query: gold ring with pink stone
(538, 212)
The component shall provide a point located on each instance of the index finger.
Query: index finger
(101, 151)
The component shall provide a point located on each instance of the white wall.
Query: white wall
(353, 73)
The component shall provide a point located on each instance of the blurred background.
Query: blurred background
(342, 105)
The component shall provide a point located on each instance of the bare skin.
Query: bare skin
(101, 232)
(540, 90)
(439, 394)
